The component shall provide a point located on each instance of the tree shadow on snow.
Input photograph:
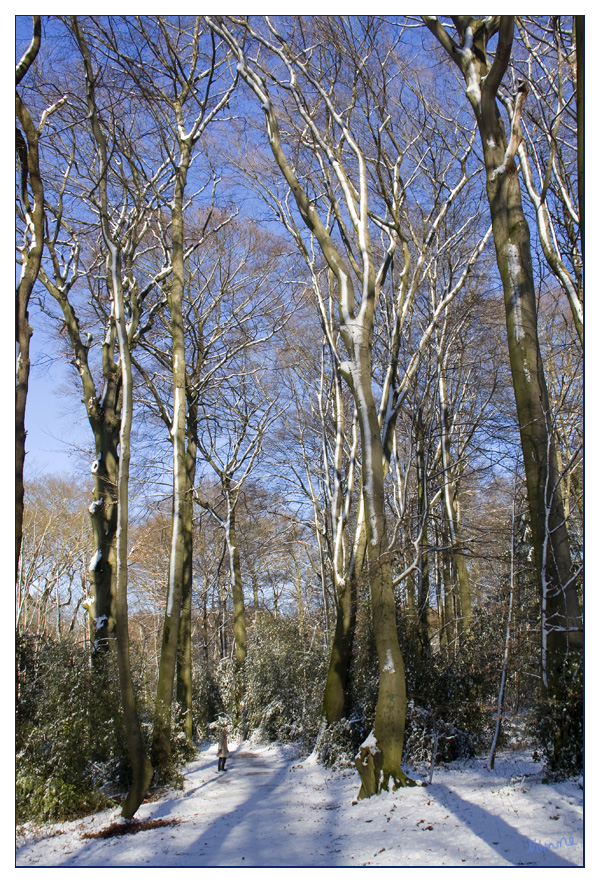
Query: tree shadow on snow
(511, 845)
(211, 842)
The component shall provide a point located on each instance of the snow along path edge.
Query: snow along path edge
(272, 808)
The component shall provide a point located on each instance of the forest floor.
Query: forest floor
(273, 808)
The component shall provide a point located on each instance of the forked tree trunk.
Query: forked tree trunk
(104, 416)
(140, 766)
(346, 568)
(379, 760)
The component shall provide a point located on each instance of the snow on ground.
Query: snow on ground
(271, 808)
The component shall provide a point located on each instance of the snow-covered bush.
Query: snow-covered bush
(207, 701)
(230, 680)
(69, 735)
(428, 738)
(364, 674)
(338, 744)
(284, 678)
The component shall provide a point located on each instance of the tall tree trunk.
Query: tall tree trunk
(379, 759)
(346, 569)
(465, 619)
(105, 419)
(500, 708)
(184, 650)
(104, 416)
(161, 734)
(141, 767)
(340, 659)
(580, 67)
(27, 145)
(450, 502)
(561, 617)
(450, 629)
(562, 626)
(423, 572)
(235, 578)
(239, 607)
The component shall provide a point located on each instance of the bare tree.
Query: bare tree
(30, 210)
(52, 575)
(140, 764)
(230, 311)
(76, 276)
(173, 66)
(231, 444)
(549, 151)
(358, 245)
(562, 629)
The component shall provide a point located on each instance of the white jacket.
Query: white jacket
(223, 749)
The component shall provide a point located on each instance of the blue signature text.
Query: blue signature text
(538, 846)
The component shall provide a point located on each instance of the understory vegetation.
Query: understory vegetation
(70, 739)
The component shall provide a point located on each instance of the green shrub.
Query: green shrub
(338, 743)
(69, 734)
(207, 701)
(284, 682)
(556, 725)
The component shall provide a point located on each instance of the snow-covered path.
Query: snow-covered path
(270, 809)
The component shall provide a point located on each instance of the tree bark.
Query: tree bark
(27, 145)
(383, 764)
(423, 587)
(340, 658)
(104, 416)
(161, 735)
(500, 708)
(184, 650)
(346, 569)
(450, 503)
(235, 576)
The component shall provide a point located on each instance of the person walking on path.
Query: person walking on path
(223, 751)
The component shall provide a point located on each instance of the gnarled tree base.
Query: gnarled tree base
(374, 775)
